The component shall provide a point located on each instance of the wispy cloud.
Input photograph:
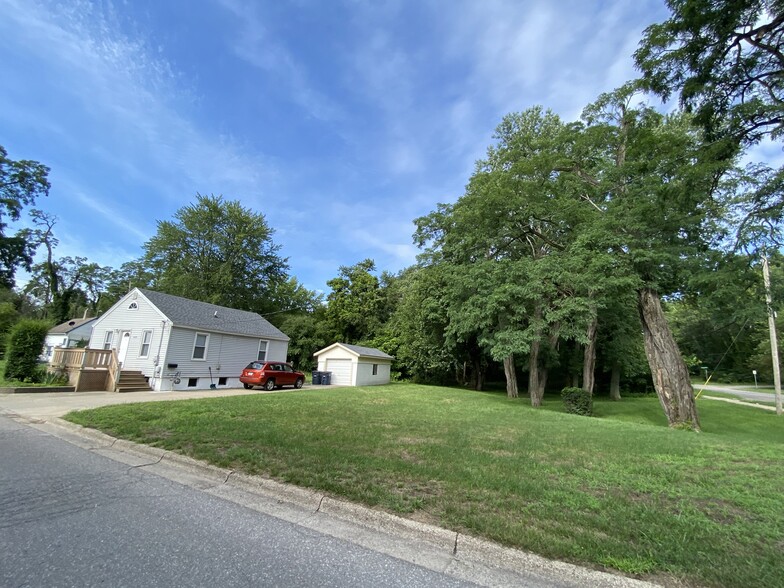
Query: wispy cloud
(255, 44)
(128, 99)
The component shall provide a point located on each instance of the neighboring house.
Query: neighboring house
(182, 344)
(68, 334)
(352, 365)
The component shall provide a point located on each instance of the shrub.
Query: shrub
(25, 343)
(577, 401)
(52, 378)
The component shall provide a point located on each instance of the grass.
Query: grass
(620, 491)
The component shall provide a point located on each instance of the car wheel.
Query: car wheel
(270, 385)
(247, 386)
(299, 382)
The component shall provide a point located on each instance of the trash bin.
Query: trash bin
(316, 378)
(326, 378)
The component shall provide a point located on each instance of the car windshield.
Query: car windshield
(255, 365)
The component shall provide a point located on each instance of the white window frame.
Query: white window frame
(206, 346)
(147, 342)
(259, 356)
(108, 339)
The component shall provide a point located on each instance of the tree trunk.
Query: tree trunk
(670, 376)
(589, 357)
(511, 376)
(615, 382)
(533, 375)
(574, 380)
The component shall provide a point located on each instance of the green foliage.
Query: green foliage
(723, 58)
(577, 401)
(355, 302)
(25, 342)
(308, 334)
(217, 251)
(48, 378)
(21, 182)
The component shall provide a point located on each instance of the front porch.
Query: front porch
(92, 370)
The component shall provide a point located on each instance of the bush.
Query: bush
(25, 343)
(577, 401)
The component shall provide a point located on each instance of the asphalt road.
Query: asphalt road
(744, 394)
(70, 517)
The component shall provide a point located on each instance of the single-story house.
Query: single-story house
(353, 365)
(182, 344)
(68, 334)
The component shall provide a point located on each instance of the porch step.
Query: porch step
(132, 381)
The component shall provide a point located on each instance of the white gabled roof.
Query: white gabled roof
(357, 350)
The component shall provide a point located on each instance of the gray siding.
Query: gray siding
(227, 355)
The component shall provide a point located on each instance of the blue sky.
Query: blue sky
(340, 120)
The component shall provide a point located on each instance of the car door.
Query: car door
(288, 376)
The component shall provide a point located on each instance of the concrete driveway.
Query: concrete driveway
(56, 404)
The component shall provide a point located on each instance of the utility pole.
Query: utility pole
(774, 348)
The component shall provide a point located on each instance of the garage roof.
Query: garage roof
(357, 350)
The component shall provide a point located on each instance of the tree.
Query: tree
(25, 342)
(21, 182)
(355, 302)
(725, 59)
(66, 287)
(217, 251)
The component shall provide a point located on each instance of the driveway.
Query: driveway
(56, 404)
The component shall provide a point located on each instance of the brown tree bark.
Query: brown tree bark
(511, 376)
(533, 374)
(615, 382)
(670, 376)
(589, 357)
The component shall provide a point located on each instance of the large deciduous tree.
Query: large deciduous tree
(21, 182)
(724, 59)
(355, 302)
(65, 287)
(217, 251)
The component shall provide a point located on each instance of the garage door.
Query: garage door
(341, 371)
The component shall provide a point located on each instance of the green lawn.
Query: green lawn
(620, 491)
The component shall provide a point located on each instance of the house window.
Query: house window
(107, 339)
(192, 382)
(200, 346)
(222, 381)
(145, 348)
(375, 369)
(262, 351)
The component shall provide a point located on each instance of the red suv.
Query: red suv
(271, 375)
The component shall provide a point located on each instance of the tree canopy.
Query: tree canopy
(217, 251)
(21, 182)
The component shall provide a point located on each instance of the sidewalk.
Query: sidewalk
(56, 404)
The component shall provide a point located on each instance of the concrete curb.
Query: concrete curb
(741, 402)
(451, 552)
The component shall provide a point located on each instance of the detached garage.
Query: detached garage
(352, 365)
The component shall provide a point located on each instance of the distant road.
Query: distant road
(740, 393)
